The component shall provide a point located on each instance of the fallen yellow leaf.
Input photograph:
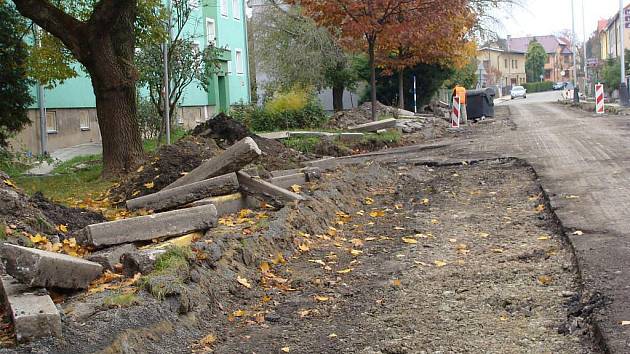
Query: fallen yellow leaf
(345, 271)
(368, 201)
(321, 298)
(377, 213)
(62, 228)
(425, 201)
(355, 252)
(135, 193)
(286, 349)
(440, 263)
(264, 267)
(435, 221)
(9, 183)
(140, 169)
(296, 188)
(243, 282)
(239, 313)
(540, 208)
(545, 280)
(396, 282)
(409, 240)
(304, 247)
(543, 237)
(149, 185)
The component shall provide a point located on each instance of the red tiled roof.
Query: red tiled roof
(602, 24)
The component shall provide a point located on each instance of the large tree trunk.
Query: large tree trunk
(116, 110)
(337, 93)
(401, 89)
(372, 62)
(105, 44)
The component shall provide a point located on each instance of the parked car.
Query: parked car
(518, 91)
(559, 86)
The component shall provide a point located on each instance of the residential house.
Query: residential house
(503, 65)
(611, 38)
(504, 60)
(559, 65)
(71, 107)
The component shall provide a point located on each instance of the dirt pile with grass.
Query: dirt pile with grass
(360, 115)
(207, 140)
(22, 216)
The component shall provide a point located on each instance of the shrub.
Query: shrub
(532, 87)
(293, 110)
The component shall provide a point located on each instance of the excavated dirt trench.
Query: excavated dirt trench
(382, 259)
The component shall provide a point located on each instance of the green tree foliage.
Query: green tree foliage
(429, 78)
(51, 63)
(294, 51)
(187, 65)
(467, 76)
(14, 84)
(611, 74)
(535, 60)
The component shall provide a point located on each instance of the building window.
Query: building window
(211, 34)
(236, 9)
(51, 122)
(84, 121)
(180, 118)
(224, 8)
(515, 64)
(505, 63)
(229, 66)
(239, 61)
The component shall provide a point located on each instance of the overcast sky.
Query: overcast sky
(540, 17)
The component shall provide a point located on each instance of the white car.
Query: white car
(518, 91)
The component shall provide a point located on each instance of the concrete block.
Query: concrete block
(109, 257)
(289, 180)
(233, 159)
(308, 134)
(374, 126)
(351, 137)
(230, 204)
(272, 194)
(281, 173)
(174, 197)
(141, 261)
(35, 267)
(33, 312)
(145, 228)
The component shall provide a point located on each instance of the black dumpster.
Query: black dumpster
(480, 103)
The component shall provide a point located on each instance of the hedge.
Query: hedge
(532, 87)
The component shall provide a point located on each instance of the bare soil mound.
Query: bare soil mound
(205, 141)
(22, 216)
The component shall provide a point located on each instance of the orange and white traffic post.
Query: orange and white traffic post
(457, 112)
(599, 99)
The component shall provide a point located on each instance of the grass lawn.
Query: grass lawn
(69, 183)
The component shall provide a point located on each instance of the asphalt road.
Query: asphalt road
(583, 162)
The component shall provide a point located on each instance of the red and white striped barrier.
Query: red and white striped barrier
(457, 112)
(599, 99)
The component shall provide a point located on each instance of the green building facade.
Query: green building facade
(71, 107)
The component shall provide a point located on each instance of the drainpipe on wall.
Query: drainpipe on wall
(43, 132)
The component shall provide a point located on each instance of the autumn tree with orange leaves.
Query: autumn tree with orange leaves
(372, 24)
(437, 38)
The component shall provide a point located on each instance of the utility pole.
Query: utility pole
(41, 102)
(623, 88)
(165, 85)
(584, 50)
(576, 90)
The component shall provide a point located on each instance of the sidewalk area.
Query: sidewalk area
(65, 154)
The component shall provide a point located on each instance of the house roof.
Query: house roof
(602, 24)
(549, 42)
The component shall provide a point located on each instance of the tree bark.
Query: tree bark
(337, 92)
(401, 89)
(105, 45)
(372, 62)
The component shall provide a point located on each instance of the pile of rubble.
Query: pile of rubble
(207, 140)
(363, 114)
(193, 203)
